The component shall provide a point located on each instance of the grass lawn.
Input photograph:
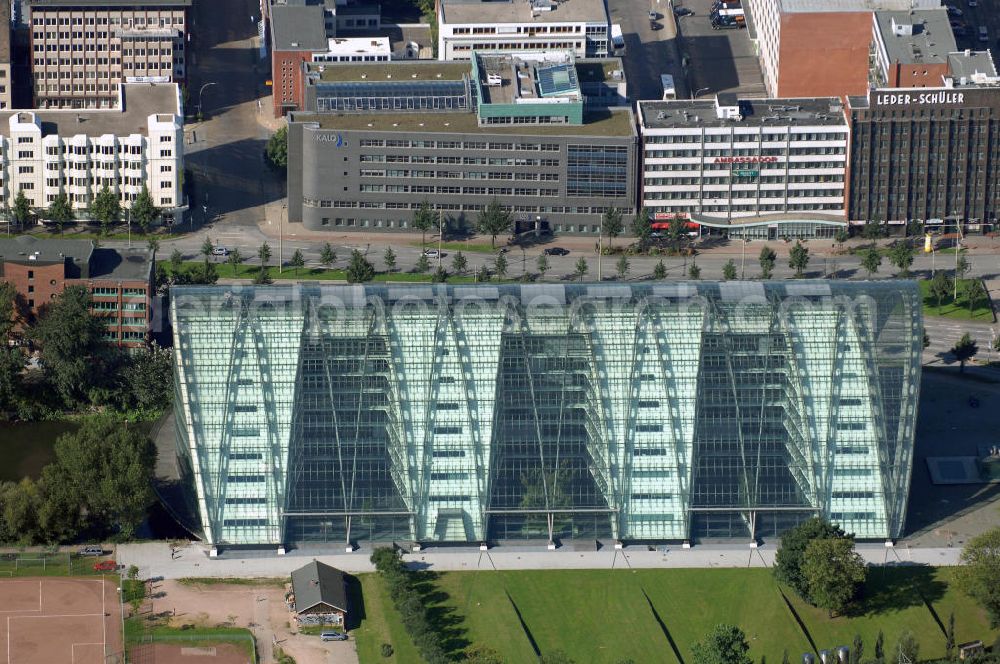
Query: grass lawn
(50, 564)
(225, 271)
(950, 308)
(136, 631)
(232, 581)
(603, 616)
(464, 247)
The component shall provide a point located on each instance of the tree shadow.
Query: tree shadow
(897, 588)
(446, 621)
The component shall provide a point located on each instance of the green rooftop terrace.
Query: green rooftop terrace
(390, 71)
(608, 123)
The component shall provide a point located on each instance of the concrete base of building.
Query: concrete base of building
(551, 546)
(619, 545)
(213, 552)
(281, 550)
(416, 547)
(484, 547)
(889, 544)
(686, 545)
(754, 544)
(349, 548)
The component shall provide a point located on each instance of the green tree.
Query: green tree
(110, 467)
(440, 275)
(106, 208)
(962, 265)
(277, 149)
(975, 292)
(798, 258)
(72, 342)
(622, 267)
(480, 654)
(729, 270)
(694, 272)
(297, 261)
(642, 228)
(264, 255)
(459, 263)
(493, 221)
(234, 259)
(152, 246)
(60, 211)
(19, 504)
(423, 264)
(359, 270)
(907, 649)
(389, 258)
(612, 224)
(660, 270)
(327, 256)
(500, 266)
(871, 259)
(979, 574)
(788, 559)
(8, 311)
(22, 208)
(144, 381)
(767, 259)
(581, 268)
(841, 236)
(423, 220)
(873, 230)
(964, 350)
(940, 286)
(901, 255)
(556, 657)
(834, 573)
(176, 262)
(880, 647)
(675, 231)
(725, 644)
(207, 248)
(143, 210)
(542, 265)
(483, 275)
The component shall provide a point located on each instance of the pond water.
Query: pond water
(26, 447)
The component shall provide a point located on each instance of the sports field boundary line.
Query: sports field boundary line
(60, 615)
(72, 649)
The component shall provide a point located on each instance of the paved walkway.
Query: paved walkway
(154, 559)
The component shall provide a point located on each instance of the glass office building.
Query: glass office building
(657, 411)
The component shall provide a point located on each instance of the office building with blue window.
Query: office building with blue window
(631, 412)
(543, 133)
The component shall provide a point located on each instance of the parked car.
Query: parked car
(555, 251)
(653, 25)
(91, 550)
(432, 253)
(682, 11)
(953, 10)
(220, 251)
(653, 16)
(333, 636)
(105, 566)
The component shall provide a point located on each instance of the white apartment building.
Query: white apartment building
(758, 168)
(47, 152)
(580, 26)
(82, 49)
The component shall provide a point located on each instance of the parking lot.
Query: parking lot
(717, 60)
(966, 26)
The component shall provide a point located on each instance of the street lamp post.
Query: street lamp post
(698, 92)
(281, 236)
(200, 93)
(743, 257)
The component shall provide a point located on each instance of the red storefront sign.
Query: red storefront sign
(745, 160)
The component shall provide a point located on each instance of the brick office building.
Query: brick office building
(120, 284)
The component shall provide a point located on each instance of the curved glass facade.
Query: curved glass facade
(658, 411)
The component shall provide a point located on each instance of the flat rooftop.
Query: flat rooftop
(298, 28)
(618, 123)
(104, 263)
(130, 264)
(522, 11)
(425, 70)
(140, 101)
(599, 70)
(930, 42)
(756, 113)
(794, 6)
(965, 64)
(521, 79)
(107, 3)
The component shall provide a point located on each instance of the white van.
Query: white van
(984, 34)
